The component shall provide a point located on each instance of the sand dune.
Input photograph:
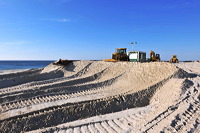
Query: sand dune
(98, 96)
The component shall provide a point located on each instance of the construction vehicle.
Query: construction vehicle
(174, 59)
(119, 55)
(62, 62)
(154, 57)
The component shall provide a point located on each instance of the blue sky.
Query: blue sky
(93, 29)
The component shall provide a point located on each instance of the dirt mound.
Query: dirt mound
(60, 94)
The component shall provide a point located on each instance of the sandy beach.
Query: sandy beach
(3, 72)
(98, 96)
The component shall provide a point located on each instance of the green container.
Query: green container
(137, 56)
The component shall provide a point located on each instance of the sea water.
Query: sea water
(12, 65)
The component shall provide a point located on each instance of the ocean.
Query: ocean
(12, 65)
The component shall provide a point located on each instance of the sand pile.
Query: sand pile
(81, 90)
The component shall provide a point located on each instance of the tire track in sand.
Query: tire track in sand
(64, 87)
(37, 84)
(88, 89)
(180, 121)
(120, 124)
(72, 111)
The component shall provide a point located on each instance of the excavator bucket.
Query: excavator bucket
(111, 60)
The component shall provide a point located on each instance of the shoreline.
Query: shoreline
(3, 72)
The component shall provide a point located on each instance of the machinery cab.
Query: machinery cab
(121, 50)
(158, 57)
(173, 56)
(154, 57)
(174, 59)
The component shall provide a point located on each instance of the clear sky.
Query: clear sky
(93, 29)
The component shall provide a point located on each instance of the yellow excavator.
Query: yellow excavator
(119, 55)
(174, 59)
(154, 57)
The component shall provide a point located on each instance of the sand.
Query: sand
(98, 96)
(3, 72)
